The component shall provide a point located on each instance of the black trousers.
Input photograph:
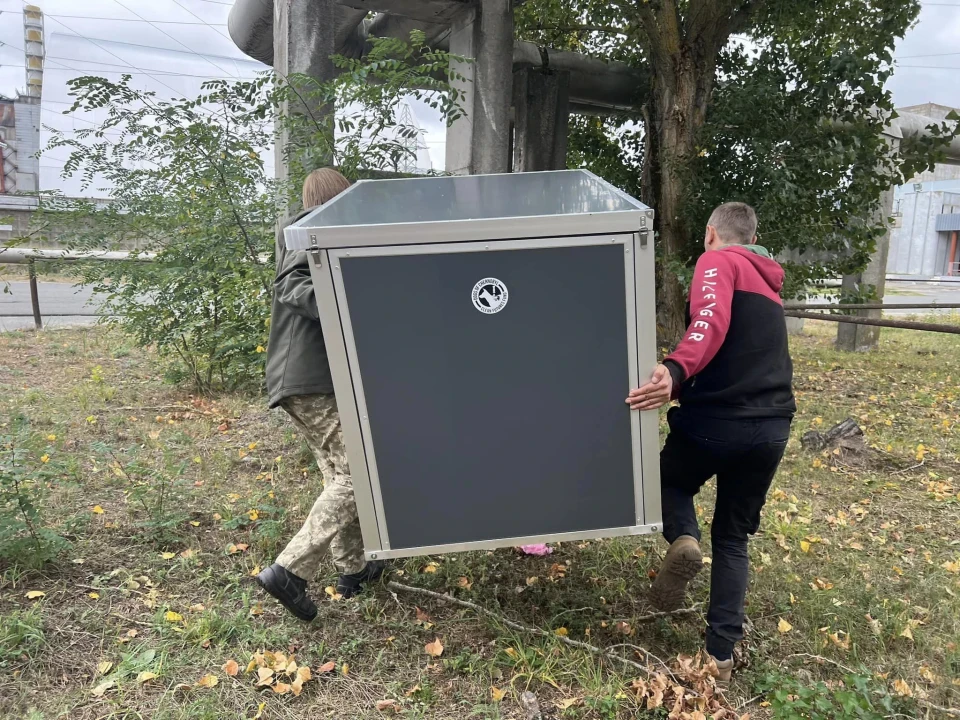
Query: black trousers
(743, 455)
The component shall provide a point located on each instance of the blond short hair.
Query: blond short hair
(322, 186)
(735, 223)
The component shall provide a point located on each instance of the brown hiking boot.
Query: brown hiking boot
(681, 564)
(724, 670)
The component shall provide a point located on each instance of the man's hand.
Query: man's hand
(655, 393)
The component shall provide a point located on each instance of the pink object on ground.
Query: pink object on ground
(536, 549)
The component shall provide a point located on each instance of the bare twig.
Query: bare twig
(692, 610)
(155, 408)
(821, 659)
(512, 624)
(951, 712)
(748, 703)
(906, 470)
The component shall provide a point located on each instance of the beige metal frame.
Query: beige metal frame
(348, 385)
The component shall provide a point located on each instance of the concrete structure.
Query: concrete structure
(478, 29)
(926, 217)
(20, 135)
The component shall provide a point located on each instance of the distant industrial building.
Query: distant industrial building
(923, 241)
(20, 135)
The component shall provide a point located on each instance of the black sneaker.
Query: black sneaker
(289, 589)
(350, 585)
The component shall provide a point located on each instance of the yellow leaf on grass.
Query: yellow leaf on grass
(35, 594)
(145, 677)
(907, 633)
(44, 459)
(168, 555)
(561, 632)
(253, 514)
(901, 688)
(51, 438)
(784, 627)
(383, 705)
(97, 510)
(104, 667)
(568, 703)
(497, 694)
(172, 617)
(326, 667)
(431, 567)
(533, 580)
(260, 709)
(345, 668)
(281, 688)
(927, 674)
(805, 546)
(303, 673)
(951, 567)
(208, 681)
(512, 653)
(231, 668)
(332, 592)
(100, 689)
(464, 583)
(434, 649)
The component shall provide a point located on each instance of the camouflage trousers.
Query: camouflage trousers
(332, 522)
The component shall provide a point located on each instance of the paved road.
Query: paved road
(901, 293)
(16, 313)
(65, 298)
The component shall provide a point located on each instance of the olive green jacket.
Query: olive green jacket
(296, 354)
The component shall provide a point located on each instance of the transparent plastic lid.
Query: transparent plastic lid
(471, 197)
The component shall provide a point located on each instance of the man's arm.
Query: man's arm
(711, 294)
(293, 286)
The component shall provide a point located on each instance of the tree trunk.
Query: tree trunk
(683, 59)
(677, 114)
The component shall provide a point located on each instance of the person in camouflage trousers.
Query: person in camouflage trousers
(333, 520)
(299, 381)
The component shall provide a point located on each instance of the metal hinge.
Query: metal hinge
(315, 249)
(644, 232)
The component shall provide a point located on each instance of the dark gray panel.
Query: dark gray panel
(503, 425)
(470, 197)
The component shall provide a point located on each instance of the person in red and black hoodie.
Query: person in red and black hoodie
(733, 375)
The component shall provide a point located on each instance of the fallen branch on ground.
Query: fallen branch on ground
(593, 649)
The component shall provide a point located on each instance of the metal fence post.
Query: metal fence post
(34, 294)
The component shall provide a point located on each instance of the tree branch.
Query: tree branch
(513, 625)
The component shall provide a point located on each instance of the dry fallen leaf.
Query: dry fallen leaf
(231, 668)
(100, 689)
(784, 627)
(431, 567)
(326, 667)
(805, 546)
(332, 592)
(281, 688)
(901, 688)
(93, 595)
(497, 694)
(345, 669)
(561, 632)
(907, 633)
(264, 676)
(464, 583)
(168, 555)
(422, 615)
(434, 649)
(35, 594)
(385, 704)
(172, 617)
(208, 681)
(145, 676)
(927, 674)
(951, 567)
(568, 703)
(104, 667)
(97, 510)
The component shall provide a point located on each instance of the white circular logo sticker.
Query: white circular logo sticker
(489, 296)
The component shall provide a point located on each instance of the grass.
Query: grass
(856, 555)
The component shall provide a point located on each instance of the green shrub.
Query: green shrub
(857, 697)
(28, 467)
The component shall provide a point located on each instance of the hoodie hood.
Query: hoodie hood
(761, 260)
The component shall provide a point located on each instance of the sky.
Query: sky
(172, 46)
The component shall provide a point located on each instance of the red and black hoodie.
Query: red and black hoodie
(734, 361)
